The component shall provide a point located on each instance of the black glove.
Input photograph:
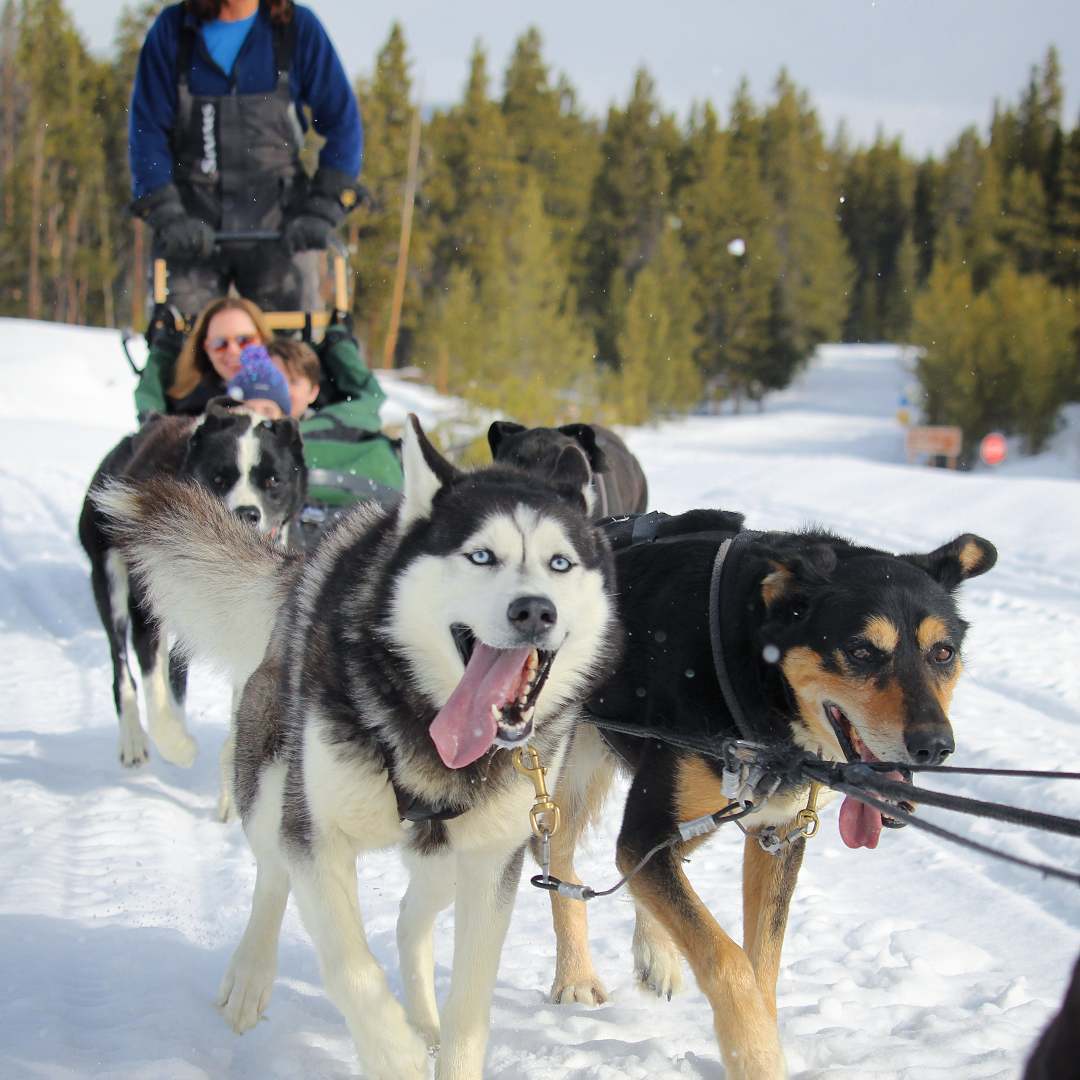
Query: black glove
(177, 234)
(330, 196)
(165, 330)
(305, 232)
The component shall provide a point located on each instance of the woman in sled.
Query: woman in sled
(348, 456)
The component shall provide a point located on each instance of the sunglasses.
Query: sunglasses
(220, 344)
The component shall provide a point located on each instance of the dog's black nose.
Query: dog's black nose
(250, 515)
(929, 745)
(532, 614)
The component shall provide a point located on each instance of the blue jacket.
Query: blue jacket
(316, 78)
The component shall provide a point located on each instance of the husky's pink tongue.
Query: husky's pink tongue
(465, 729)
(860, 825)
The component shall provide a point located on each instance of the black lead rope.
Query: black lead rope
(859, 776)
(900, 814)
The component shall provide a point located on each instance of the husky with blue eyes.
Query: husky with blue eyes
(385, 680)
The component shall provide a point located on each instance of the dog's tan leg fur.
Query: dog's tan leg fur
(745, 1028)
(580, 795)
(768, 885)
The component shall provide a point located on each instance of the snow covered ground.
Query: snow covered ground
(121, 897)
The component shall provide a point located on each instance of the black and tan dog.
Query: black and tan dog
(618, 480)
(845, 651)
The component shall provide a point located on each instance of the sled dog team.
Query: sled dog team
(383, 681)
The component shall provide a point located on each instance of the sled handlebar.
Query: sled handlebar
(287, 320)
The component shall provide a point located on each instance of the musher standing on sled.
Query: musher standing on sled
(215, 135)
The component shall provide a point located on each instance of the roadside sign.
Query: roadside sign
(993, 449)
(938, 440)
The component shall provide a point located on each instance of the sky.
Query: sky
(921, 69)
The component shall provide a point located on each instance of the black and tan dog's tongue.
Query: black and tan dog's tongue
(861, 825)
(465, 728)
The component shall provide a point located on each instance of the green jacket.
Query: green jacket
(343, 441)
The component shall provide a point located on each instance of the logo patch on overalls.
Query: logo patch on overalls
(209, 160)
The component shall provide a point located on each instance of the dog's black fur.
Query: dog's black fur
(817, 628)
(619, 483)
(205, 450)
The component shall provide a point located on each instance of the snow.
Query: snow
(121, 897)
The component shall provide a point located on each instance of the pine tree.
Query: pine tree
(514, 340)
(551, 139)
(876, 218)
(627, 208)
(814, 282)
(658, 341)
(1039, 116)
(924, 216)
(1025, 222)
(386, 106)
(473, 180)
(734, 264)
(1065, 259)
(59, 169)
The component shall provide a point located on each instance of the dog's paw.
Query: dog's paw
(175, 745)
(244, 994)
(587, 991)
(226, 808)
(134, 750)
(399, 1054)
(658, 967)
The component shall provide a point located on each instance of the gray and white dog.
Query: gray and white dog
(383, 679)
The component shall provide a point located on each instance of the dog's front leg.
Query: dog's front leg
(583, 783)
(324, 884)
(484, 901)
(109, 578)
(164, 683)
(745, 1029)
(245, 989)
(768, 885)
(431, 890)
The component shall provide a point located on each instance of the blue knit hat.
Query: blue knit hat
(259, 378)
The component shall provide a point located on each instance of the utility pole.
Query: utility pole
(408, 199)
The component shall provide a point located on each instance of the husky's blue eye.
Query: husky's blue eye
(560, 564)
(481, 557)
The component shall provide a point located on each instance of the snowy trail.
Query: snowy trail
(121, 897)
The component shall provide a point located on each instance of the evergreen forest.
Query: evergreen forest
(616, 268)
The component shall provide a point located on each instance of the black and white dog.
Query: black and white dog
(385, 678)
(256, 468)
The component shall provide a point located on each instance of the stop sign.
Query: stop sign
(993, 448)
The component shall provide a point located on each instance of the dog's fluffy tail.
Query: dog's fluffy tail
(209, 578)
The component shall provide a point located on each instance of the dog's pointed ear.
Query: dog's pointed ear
(586, 436)
(965, 557)
(287, 430)
(221, 410)
(426, 471)
(789, 572)
(571, 474)
(499, 430)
